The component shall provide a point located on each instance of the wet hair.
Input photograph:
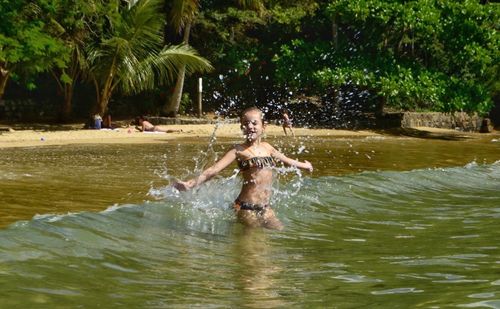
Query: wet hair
(252, 109)
(138, 120)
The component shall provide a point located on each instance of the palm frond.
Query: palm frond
(133, 57)
(162, 68)
(182, 12)
(256, 5)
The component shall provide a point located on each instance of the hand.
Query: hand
(308, 166)
(183, 185)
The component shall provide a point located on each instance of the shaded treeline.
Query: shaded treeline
(337, 58)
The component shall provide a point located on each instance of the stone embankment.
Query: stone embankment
(456, 121)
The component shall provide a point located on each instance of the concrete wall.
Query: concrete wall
(26, 110)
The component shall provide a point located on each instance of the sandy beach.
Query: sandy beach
(47, 137)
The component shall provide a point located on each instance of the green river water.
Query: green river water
(382, 222)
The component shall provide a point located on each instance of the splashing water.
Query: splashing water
(368, 231)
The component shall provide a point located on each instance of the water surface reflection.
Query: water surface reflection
(386, 222)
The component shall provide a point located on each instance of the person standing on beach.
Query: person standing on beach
(256, 160)
(287, 122)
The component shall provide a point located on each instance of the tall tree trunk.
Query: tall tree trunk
(4, 77)
(171, 108)
(103, 103)
(68, 102)
(97, 96)
(105, 96)
(68, 88)
(381, 102)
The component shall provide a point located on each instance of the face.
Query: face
(252, 125)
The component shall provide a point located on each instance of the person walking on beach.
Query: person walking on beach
(287, 122)
(256, 160)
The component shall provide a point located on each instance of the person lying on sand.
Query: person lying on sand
(146, 126)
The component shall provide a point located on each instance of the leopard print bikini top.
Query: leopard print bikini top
(258, 162)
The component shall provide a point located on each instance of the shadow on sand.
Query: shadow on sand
(422, 133)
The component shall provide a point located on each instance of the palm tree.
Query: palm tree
(74, 23)
(132, 58)
(181, 16)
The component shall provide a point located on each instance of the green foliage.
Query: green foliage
(130, 56)
(242, 43)
(181, 12)
(185, 104)
(417, 55)
(76, 24)
(26, 47)
(299, 61)
(293, 15)
(412, 55)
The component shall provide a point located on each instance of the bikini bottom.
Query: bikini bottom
(258, 208)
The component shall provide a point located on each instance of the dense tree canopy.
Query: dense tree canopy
(131, 57)
(26, 44)
(405, 55)
(411, 55)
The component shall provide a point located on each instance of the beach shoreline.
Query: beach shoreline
(125, 135)
(75, 134)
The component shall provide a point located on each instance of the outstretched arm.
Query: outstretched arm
(210, 172)
(306, 165)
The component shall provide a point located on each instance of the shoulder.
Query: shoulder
(268, 146)
(233, 151)
(238, 148)
(229, 156)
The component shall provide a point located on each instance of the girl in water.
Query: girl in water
(255, 159)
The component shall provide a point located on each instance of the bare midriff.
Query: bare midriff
(257, 185)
